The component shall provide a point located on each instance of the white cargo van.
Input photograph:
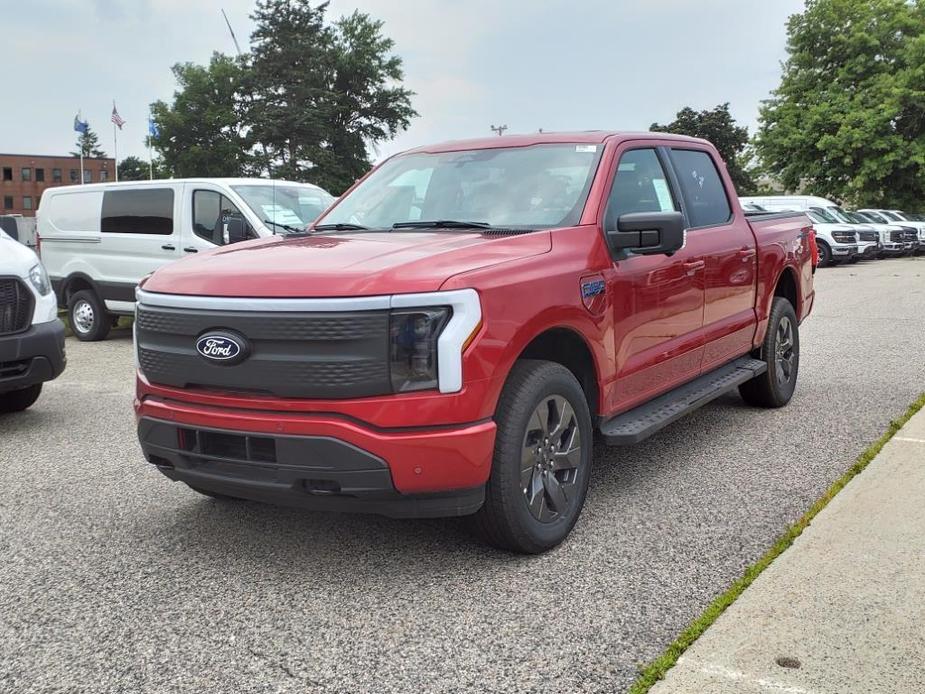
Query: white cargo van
(98, 241)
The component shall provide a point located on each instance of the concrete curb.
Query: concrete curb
(843, 609)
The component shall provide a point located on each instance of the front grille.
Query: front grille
(869, 236)
(292, 354)
(844, 236)
(896, 236)
(909, 234)
(15, 306)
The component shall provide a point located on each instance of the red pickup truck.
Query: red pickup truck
(449, 336)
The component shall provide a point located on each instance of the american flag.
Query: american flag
(116, 118)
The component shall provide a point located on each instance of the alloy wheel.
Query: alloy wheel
(550, 459)
(785, 352)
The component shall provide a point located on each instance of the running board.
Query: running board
(643, 421)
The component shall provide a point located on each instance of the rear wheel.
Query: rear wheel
(19, 400)
(542, 460)
(781, 351)
(88, 316)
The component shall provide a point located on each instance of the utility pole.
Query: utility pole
(500, 129)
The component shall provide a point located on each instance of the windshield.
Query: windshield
(840, 214)
(520, 187)
(892, 216)
(824, 216)
(285, 205)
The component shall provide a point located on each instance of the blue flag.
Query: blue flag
(80, 126)
(153, 130)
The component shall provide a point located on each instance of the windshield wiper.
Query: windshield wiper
(340, 226)
(284, 226)
(441, 224)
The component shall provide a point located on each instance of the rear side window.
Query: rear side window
(701, 187)
(148, 211)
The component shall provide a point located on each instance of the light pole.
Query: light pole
(500, 129)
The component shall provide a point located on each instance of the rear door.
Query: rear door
(657, 299)
(721, 233)
(138, 234)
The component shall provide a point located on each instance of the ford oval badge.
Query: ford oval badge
(222, 347)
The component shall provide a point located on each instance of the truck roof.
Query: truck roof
(525, 140)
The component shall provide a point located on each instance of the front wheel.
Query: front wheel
(542, 460)
(825, 254)
(19, 400)
(781, 351)
(88, 316)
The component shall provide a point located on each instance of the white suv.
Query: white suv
(31, 336)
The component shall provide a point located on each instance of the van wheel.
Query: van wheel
(88, 316)
(825, 254)
(781, 351)
(19, 400)
(542, 460)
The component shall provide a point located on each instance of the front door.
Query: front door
(657, 300)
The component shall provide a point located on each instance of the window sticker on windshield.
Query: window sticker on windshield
(585, 148)
(663, 194)
(281, 215)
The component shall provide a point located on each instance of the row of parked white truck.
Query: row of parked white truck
(846, 236)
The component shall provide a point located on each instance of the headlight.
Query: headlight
(39, 279)
(413, 335)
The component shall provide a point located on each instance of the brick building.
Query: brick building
(23, 177)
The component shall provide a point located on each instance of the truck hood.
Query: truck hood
(15, 258)
(353, 264)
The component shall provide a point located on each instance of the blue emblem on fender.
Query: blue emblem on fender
(593, 288)
(222, 347)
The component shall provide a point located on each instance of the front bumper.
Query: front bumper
(34, 356)
(843, 251)
(319, 461)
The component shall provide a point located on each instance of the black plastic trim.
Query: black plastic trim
(41, 349)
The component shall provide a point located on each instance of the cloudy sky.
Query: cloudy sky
(528, 64)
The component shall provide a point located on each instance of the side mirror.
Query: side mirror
(235, 229)
(648, 233)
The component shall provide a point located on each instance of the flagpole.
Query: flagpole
(115, 147)
(81, 163)
(150, 162)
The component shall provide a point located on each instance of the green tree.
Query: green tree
(134, 169)
(848, 119)
(203, 132)
(320, 93)
(88, 143)
(719, 127)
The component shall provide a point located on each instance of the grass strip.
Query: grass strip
(656, 670)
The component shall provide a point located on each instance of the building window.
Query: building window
(7, 173)
(7, 202)
(56, 175)
(26, 173)
(104, 175)
(73, 175)
(27, 202)
(40, 175)
(88, 176)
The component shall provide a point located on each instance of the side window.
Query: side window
(701, 187)
(211, 212)
(639, 185)
(144, 211)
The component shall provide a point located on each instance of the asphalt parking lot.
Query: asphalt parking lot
(114, 579)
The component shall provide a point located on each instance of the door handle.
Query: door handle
(694, 265)
(169, 247)
(190, 249)
(746, 254)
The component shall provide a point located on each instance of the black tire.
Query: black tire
(825, 254)
(214, 495)
(88, 317)
(775, 387)
(853, 259)
(508, 520)
(19, 400)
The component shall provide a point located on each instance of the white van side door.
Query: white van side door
(207, 210)
(138, 234)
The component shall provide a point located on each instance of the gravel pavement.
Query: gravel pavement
(113, 579)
